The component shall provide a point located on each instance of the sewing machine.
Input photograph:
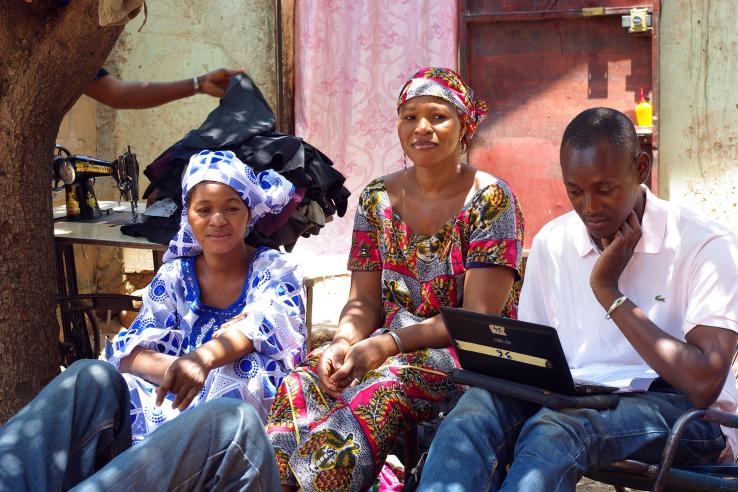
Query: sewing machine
(78, 173)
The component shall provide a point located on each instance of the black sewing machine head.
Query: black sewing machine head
(78, 173)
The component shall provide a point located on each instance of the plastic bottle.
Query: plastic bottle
(644, 111)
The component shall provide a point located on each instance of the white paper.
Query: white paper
(629, 378)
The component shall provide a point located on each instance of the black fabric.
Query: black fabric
(155, 229)
(245, 124)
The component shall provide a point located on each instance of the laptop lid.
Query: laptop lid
(509, 349)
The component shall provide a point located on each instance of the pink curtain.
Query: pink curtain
(352, 58)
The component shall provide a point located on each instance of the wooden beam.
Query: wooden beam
(284, 30)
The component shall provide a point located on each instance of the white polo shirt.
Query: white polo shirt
(683, 273)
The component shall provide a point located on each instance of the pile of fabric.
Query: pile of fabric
(245, 124)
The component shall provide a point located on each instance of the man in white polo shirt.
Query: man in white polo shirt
(626, 279)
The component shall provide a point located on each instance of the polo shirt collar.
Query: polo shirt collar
(653, 228)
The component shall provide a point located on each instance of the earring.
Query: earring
(404, 162)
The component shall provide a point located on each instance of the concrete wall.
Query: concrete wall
(699, 106)
(180, 39)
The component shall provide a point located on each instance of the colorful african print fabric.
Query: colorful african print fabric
(325, 444)
(446, 84)
(422, 273)
(174, 321)
(322, 444)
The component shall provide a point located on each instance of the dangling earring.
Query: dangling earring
(404, 162)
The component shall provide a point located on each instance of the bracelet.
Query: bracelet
(397, 340)
(615, 304)
(196, 85)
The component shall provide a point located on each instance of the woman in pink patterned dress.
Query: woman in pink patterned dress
(438, 233)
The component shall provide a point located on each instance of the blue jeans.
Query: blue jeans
(550, 450)
(76, 433)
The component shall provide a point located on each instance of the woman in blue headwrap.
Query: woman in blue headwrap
(220, 318)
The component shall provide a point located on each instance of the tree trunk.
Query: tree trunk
(48, 54)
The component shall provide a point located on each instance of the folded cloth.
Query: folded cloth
(245, 124)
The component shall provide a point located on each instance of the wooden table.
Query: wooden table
(104, 231)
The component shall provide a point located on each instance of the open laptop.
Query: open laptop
(500, 351)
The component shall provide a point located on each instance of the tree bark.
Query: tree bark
(48, 54)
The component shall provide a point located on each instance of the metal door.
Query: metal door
(538, 64)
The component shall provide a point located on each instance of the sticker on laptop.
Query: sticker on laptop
(498, 330)
(503, 354)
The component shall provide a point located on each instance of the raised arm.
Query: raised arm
(698, 367)
(127, 94)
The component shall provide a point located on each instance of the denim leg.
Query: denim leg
(555, 448)
(474, 443)
(76, 424)
(218, 445)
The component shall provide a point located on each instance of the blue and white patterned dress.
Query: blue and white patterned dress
(173, 321)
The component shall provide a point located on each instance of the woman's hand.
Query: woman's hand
(185, 377)
(330, 361)
(361, 358)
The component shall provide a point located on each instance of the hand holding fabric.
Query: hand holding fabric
(215, 83)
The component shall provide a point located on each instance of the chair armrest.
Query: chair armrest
(672, 443)
(661, 472)
(726, 419)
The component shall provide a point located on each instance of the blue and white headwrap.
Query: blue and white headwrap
(264, 193)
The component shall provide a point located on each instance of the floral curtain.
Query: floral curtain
(352, 58)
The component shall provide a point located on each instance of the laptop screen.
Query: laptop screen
(509, 349)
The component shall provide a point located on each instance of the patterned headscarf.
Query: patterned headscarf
(446, 84)
(264, 193)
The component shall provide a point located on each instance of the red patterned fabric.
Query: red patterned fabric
(446, 84)
(322, 444)
(422, 273)
(325, 444)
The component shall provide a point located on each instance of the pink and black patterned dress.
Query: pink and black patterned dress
(326, 444)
